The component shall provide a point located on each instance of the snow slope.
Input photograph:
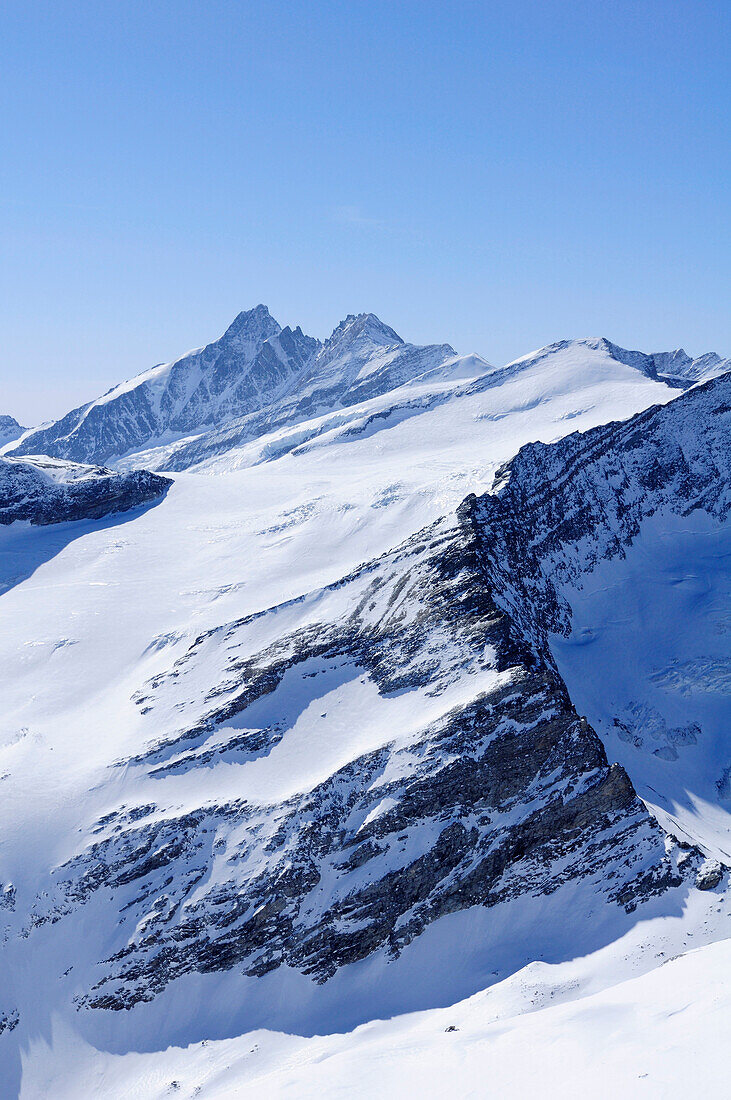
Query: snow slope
(649, 659)
(543, 1031)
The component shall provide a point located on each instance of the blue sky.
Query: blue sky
(495, 175)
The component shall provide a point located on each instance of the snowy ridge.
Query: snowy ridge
(363, 368)
(583, 373)
(659, 1033)
(259, 378)
(680, 367)
(675, 368)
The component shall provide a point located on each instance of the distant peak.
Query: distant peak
(665, 360)
(673, 368)
(365, 325)
(255, 323)
(710, 359)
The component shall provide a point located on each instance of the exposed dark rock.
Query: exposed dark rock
(42, 491)
(10, 429)
(709, 875)
(9, 1021)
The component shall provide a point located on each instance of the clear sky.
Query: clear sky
(495, 175)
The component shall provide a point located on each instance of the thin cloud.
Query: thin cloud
(355, 216)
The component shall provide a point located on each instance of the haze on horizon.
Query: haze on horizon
(493, 178)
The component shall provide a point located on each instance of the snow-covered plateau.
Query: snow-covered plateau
(365, 725)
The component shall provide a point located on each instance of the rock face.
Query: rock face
(42, 491)
(477, 784)
(363, 359)
(559, 510)
(679, 367)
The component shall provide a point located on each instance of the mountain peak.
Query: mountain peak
(710, 359)
(9, 422)
(10, 429)
(256, 323)
(365, 325)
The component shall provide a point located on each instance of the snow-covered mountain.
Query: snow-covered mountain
(468, 781)
(678, 366)
(10, 430)
(242, 371)
(256, 365)
(259, 379)
(319, 738)
(583, 374)
(363, 358)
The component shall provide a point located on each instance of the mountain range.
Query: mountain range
(258, 377)
(353, 679)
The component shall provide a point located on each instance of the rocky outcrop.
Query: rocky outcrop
(42, 491)
(709, 875)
